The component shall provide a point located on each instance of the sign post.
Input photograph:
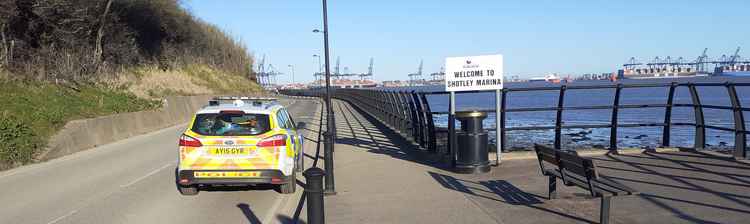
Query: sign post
(474, 73)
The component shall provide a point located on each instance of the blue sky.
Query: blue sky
(535, 37)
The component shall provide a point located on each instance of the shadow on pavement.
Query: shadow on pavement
(283, 219)
(676, 181)
(502, 191)
(245, 208)
(364, 131)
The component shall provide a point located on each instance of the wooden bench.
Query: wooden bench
(574, 170)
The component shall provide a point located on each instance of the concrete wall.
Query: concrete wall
(84, 134)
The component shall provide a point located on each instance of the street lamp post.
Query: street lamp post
(329, 135)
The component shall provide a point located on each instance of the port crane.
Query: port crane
(700, 62)
(272, 74)
(632, 63)
(263, 76)
(259, 71)
(438, 75)
(266, 75)
(412, 76)
(734, 57)
(369, 70)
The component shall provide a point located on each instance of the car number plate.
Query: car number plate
(222, 151)
(236, 174)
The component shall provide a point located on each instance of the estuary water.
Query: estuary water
(640, 137)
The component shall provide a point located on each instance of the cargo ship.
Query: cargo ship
(551, 78)
(733, 70)
(662, 72)
(726, 65)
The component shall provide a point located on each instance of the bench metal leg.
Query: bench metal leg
(604, 210)
(552, 187)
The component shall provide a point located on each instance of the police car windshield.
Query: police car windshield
(231, 124)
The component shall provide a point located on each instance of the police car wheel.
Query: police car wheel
(290, 186)
(187, 190)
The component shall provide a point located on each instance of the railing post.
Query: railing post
(406, 113)
(700, 125)
(452, 128)
(668, 116)
(386, 106)
(498, 120)
(739, 124)
(431, 136)
(392, 108)
(558, 121)
(504, 107)
(382, 106)
(414, 118)
(400, 112)
(613, 121)
(314, 192)
(410, 116)
(419, 115)
(378, 103)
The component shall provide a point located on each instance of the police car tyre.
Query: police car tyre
(291, 185)
(188, 190)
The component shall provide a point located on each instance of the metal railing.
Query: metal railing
(409, 113)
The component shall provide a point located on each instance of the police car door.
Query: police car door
(296, 133)
(284, 123)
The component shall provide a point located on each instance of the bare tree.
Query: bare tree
(4, 56)
(100, 33)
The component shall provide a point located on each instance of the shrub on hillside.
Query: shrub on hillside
(17, 142)
(85, 40)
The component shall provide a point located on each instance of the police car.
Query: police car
(239, 141)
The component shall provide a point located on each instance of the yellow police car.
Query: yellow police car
(240, 141)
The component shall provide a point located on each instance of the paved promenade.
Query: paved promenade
(382, 178)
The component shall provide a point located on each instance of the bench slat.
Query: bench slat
(573, 163)
(549, 159)
(547, 154)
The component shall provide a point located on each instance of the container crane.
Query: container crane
(418, 74)
(438, 75)
(700, 62)
(735, 57)
(261, 74)
(336, 70)
(369, 70)
(632, 63)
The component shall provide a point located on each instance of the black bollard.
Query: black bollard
(314, 192)
(472, 143)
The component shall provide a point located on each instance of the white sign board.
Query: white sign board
(474, 73)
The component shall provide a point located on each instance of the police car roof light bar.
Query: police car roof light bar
(255, 101)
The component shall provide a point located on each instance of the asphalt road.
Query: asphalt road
(132, 181)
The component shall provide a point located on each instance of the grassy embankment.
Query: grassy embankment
(32, 112)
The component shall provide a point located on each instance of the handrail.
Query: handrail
(410, 113)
